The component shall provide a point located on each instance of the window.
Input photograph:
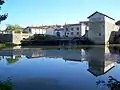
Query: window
(71, 33)
(66, 29)
(77, 33)
(77, 28)
(99, 34)
(29, 29)
(71, 28)
(67, 33)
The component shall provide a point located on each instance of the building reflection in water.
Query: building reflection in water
(116, 51)
(30, 53)
(100, 60)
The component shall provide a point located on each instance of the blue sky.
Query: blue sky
(38, 12)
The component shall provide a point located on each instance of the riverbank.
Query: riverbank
(3, 45)
(56, 42)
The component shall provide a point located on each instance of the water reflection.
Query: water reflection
(53, 63)
(66, 54)
(100, 60)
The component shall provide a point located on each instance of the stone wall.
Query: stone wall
(17, 37)
(14, 38)
(96, 32)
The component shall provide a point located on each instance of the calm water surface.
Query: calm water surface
(60, 68)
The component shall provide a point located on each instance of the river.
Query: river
(69, 68)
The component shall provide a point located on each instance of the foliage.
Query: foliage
(6, 85)
(112, 83)
(44, 37)
(118, 23)
(2, 45)
(12, 60)
(2, 2)
(4, 16)
(15, 27)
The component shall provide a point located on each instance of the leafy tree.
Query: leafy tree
(4, 16)
(15, 27)
(118, 23)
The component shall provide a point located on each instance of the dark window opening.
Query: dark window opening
(77, 28)
(71, 33)
(67, 29)
(99, 34)
(71, 28)
(29, 29)
(77, 33)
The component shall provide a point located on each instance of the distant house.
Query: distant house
(59, 32)
(100, 27)
(75, 30)
(35, 30)
(50, 30)
(46, 30)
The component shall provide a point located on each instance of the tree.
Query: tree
(4, 16)
(112, 83)
(15, 27)
(118, 23)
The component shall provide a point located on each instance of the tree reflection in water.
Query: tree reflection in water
(12, 60)
(112, 83)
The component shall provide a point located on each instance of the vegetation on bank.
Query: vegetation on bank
(39, 37)
(6, 85)
(112, 83)
(2, 45)
(7, 44)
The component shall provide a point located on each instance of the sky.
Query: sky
(49, 12)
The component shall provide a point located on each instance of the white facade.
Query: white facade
(35, 30)
(46, 30)
(75, 30)
(83, 27)
(50, 31)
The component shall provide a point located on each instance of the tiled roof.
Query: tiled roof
(44, 27)
(101, 14)
(71, 24)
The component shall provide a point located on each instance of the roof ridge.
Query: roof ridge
(102, 14)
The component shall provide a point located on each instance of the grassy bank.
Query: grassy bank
(2, 45)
